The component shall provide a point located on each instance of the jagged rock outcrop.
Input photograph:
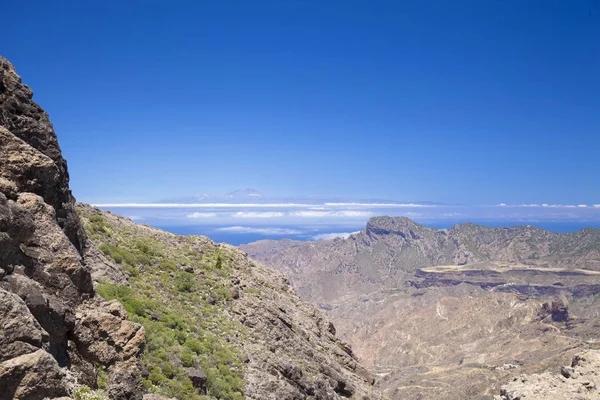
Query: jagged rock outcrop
(579, 380)
(47, 174)
(45, 286)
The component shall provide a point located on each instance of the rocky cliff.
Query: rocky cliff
(125, 311)
(50, 314)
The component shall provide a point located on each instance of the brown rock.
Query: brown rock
(20, 115)
(21, 333)
(44, 279)
(31, 376)
(103, 333)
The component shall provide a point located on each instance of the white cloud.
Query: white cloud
(205, 205)
(378, 205)
(334, 214)
(257, 214)
(545, 205)
(264, 231)
(201, 215)
(596, 205)
(329, 236)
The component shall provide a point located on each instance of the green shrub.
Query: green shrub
(156, 375)
(194, 345)
(85, 393)
(187, 357)
(102, 379)
(167, 265)
(184, 282)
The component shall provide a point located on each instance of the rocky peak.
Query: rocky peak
(27, 121)
(402, 226)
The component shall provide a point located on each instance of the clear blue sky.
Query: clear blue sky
(476, 102)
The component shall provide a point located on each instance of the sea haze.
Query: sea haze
(249, 217)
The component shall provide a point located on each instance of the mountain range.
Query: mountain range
(440, 313)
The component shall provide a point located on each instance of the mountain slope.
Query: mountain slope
(210, 307)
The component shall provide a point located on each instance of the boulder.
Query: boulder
(31, 376)
(198, 378)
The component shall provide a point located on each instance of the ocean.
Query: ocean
(260, 232)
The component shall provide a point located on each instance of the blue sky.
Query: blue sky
(473, 102)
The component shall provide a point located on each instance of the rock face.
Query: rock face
(46, 175)
(45, 286)
(580, 380)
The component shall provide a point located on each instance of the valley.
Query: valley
(452, 313)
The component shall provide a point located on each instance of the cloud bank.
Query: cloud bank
(329, 236)
(274, 231)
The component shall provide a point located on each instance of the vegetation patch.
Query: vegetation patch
(179, 295)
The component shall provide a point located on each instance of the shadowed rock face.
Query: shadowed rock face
(48, 302)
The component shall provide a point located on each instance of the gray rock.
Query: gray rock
(198, 378)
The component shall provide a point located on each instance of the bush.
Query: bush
(187, 357)
(194, 345)
(156, 375)
(102, 380)
(184, 282)
(85, 393)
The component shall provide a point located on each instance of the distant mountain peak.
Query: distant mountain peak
(245, 192)
(387, 224)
